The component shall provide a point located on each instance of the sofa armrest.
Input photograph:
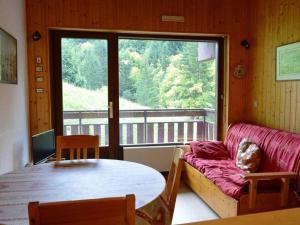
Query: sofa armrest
(268, 175)
(253, 178)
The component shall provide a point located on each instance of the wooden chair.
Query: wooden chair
(108, 211)
(77, 142)
(173, 181)
(161, 210)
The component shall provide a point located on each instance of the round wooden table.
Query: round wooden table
(75, 180)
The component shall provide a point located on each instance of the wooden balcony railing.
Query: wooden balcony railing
(145, 126)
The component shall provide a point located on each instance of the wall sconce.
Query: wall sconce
(36, 36)
(245, 44)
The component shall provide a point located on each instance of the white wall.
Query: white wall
(159, 158)
(14, 98)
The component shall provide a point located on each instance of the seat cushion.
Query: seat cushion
(222, 173)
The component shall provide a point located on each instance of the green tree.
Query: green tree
(188, 83)
(69, 66)
(84, 62)
(144, 77)
(92, 63)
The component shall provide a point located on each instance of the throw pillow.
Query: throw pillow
(248, 156)
(209, 149)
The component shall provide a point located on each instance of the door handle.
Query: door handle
(111, 110)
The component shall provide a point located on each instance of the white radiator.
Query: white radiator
(157, 157)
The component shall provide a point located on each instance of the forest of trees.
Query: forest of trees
(156, 74)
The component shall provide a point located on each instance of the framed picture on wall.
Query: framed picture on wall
(288, 62)
(8, 58)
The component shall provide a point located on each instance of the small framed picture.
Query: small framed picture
(288, 62)
(8, 58)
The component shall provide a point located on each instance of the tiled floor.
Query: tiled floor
(190, 208)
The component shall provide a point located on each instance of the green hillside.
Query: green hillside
(77, 98)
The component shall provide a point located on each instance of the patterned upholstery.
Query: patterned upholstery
(280, 152)
(154, 213)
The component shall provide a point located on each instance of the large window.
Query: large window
(167, 90)
(135, 90)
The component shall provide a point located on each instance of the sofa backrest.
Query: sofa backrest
(237, 132)
(280, 149)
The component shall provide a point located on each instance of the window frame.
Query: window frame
(115, 149)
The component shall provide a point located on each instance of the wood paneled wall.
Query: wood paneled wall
(272, 23)
(227, 18)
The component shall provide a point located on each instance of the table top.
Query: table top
(75, 180)
(279, 217)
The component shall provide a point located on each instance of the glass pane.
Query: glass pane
(84, 82)
(167, 91)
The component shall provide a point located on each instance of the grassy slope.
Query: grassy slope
(76, 98)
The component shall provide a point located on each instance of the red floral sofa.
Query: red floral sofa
(230, 191)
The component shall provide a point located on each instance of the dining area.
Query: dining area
(54, 188)
(90, 190)
(75, 180)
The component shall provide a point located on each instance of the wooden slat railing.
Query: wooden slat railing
(145, 126)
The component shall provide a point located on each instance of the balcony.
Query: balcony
(137, 127)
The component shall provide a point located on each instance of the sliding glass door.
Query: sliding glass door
(85, 87)
(133, 90)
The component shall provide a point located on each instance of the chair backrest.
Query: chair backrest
(173, 181)
(77, 142)
(108, 211)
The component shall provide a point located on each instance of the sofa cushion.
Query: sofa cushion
(237, 132)
(209, 149)
(248, 156)
(222, 173)
(281, 152)
(280, 149)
